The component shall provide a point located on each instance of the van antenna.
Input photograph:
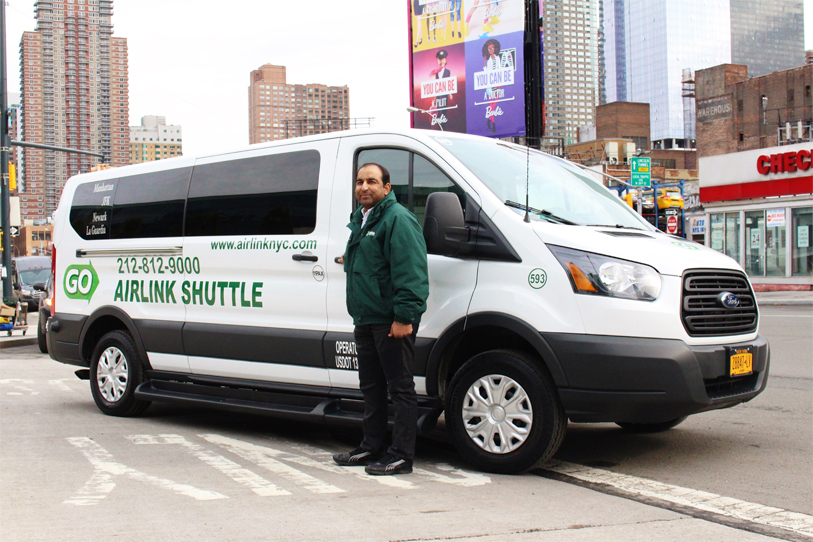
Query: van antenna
(527, 180)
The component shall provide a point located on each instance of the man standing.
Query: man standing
(387, 287)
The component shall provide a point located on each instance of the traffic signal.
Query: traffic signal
(12, 177)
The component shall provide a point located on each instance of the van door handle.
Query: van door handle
(305, 258)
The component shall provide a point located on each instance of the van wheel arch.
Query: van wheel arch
(480, 333)
(104, 320)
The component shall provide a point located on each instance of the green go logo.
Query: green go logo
(537, 278)
(80, 281)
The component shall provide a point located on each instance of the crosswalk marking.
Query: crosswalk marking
(105, 468)
(235, 471)
(268, 459)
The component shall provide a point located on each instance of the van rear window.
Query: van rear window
(139, 206)
(262, 195)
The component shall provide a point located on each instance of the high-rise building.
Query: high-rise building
(15, 133)
(767, 36)
(155, 140)
(647, 44)
(570, 34)
(74, 85)
(279, 110)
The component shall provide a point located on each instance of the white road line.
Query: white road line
(265, 457)
(17, 383)
(329, 465)
(235, 471)
(702, 500)
(101, 482)
(60, 384)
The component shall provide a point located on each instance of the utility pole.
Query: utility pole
(5, 144)
(533, 76)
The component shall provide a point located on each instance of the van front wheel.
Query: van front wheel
(115, 372)
(503, 412)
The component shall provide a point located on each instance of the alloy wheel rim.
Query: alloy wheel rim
(497, 414)
(111, 374)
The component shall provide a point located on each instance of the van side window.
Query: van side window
(92, 208)
(414, 179)
(150, 205)
(263, 195)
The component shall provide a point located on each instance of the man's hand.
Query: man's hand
(339, 259)
(399, 331)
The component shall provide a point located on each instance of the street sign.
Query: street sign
(641, 175)
(13, 231)
(670, 211)
(671, 225)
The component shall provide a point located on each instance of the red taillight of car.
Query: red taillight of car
(52, 304)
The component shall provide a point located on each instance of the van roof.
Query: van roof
(31, 262)
(189, 161)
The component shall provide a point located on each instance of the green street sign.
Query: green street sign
(641, 175)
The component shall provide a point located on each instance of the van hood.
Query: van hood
(668, 255)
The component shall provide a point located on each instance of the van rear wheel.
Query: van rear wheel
(115, 372)
(503, 412)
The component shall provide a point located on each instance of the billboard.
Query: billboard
(467, 66)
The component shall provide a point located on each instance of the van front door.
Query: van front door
(415, 172)
(256, 223)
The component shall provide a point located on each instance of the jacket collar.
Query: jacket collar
(375, 212)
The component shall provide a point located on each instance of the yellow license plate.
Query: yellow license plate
(741, 361)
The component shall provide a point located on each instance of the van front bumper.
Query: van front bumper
(636, 380)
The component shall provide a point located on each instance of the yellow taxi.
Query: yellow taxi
(669, 198)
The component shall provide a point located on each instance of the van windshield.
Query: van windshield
(558, 191)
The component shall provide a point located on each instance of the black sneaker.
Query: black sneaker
(356, 458)
(390, 464)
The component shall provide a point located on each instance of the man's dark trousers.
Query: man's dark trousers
(384, 363)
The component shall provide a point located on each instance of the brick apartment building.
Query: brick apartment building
(280, 110)
(755, 144)
(74, 93)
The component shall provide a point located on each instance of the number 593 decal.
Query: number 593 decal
(80, 281)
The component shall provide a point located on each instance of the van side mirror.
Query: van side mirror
(444, 228)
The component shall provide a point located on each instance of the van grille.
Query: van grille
(704, 316)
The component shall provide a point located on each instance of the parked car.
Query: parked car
(46, 305)
(669, 198)
(26, 271)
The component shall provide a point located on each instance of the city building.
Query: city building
(570, 36)
(280, 110)
(649, 50)
(74, 86)
(154, 140)
(33, 240)
(809, 57)
(754, 142)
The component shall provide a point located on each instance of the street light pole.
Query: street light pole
(5, 143)
(433, 115)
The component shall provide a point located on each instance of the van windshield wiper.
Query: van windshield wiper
(540, 212)
(614, 226)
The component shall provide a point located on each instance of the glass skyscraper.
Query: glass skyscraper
(646, 44)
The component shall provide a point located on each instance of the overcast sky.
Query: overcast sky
(190, 60)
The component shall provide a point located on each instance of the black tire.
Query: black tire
(533, 443)
(122, 372)
(650, 427)
(41, 339)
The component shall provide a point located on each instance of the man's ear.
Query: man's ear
(387, 188)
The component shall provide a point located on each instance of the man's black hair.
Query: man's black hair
(385, 175)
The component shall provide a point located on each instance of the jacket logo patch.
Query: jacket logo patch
(370, 234)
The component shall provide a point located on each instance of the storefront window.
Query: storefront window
(802, 253)
(775, 242)
(732, 235)
(755, 243)
(717, 231)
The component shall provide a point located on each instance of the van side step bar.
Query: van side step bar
(301, 407)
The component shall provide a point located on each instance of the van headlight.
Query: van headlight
(595, 274)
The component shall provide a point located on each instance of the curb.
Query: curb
(18, 341)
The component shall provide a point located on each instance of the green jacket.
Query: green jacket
(385, 262)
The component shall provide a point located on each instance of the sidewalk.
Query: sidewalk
(785, 298)
(17, 338)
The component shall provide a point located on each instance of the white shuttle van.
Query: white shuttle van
(214, 281)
